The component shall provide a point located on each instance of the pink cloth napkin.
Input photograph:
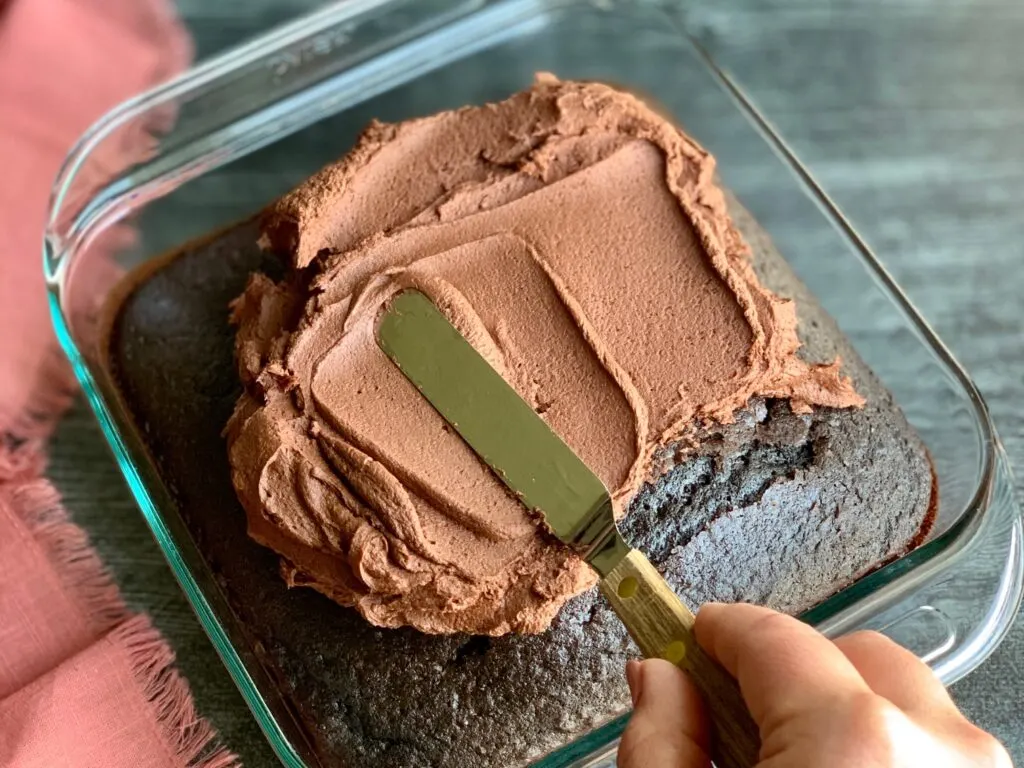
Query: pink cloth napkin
(83, 682)
(63, 63)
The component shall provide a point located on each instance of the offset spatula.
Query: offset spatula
(549, 478)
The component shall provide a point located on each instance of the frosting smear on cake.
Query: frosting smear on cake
(578, 240)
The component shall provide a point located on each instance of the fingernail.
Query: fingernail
(634, 676)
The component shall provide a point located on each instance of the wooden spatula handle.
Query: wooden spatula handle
(663, 628)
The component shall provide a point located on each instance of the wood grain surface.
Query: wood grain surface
(909, 112)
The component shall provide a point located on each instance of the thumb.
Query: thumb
(669, 726)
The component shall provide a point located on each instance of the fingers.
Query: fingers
(898, 675)
(862, 700)
(785, 668)
(668, 727)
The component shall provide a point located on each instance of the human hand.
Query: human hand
(861, 701)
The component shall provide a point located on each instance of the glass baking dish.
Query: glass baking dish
(223, 140)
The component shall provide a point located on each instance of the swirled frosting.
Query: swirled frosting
(579, 242)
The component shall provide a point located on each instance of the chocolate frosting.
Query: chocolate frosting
(578, 240)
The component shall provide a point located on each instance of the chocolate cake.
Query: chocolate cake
(765, 471)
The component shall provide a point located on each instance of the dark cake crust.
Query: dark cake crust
(778, 509)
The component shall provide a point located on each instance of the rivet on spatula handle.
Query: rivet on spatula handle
(662, 627)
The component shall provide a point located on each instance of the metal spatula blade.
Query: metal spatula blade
(552, 482)
(501, 428)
